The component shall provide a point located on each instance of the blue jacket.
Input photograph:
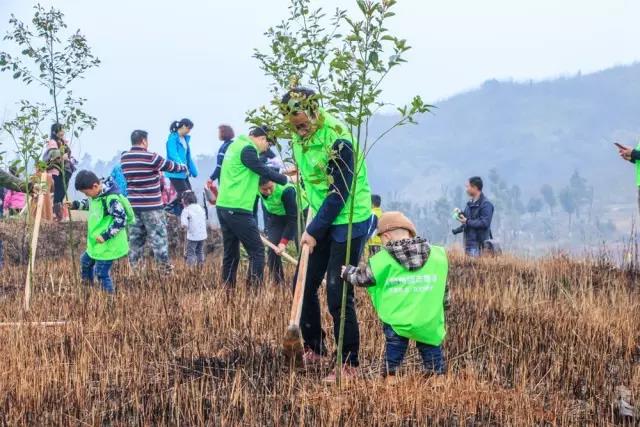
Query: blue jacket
(477, 230)
(177, 153)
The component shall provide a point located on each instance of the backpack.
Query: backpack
(120, 180)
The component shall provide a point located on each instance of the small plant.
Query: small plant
(346, 62)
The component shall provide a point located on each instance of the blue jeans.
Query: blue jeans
(473, 252)
(102, 269)
(432, 356)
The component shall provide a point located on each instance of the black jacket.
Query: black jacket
(478, 227)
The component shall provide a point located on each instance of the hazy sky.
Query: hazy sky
(166, 60)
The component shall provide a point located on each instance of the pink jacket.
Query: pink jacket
(14, 200)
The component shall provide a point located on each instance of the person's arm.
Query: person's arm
(172, 147)
(219, 159)
(162, 165)
(249, 158)
(12, 183)
(184, 218)
(291, 211)
(635, 155)
(340, 169)
(79, 205)
(116, 210)
(359, 276)
(484, 218)
(193, 168)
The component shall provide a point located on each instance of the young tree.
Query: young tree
(567, 202)
(346, 62)
(579, 191)
(535, 206)
(549, 197)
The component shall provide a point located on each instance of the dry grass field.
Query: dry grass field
(529, 343)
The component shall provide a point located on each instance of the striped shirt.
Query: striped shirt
(142, 170)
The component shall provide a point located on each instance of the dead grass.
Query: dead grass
(529, 343)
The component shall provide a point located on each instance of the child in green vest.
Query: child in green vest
(109, 214)
(407, 281)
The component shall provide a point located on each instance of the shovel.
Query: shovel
(292, 342)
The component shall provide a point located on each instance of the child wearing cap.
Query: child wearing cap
(407, 282)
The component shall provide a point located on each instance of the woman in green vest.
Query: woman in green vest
(407, 282)
(109, 213)
(324, 152)
(280, 204)
(237, 203)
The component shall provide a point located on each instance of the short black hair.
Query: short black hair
(264, 180)
(376, 200)
(257, 131)
(137, 136)
(476, 181)
(85, 180)
(291, 101)
(189, 198)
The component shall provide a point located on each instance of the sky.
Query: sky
(164, 60)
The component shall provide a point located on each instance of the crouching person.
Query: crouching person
(109, 214)
(407, 281)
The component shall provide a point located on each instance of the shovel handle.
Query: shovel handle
(273, 247)
(296, 306)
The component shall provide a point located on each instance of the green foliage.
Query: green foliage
(549, 197)
(535, 205)
(54, 61)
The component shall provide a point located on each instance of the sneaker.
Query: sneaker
(311, 358)
(348, 373)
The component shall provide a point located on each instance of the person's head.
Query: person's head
(266, 186)
(394, 226)
(300, 106)
(57, 132)
(261, 138)
(474, 186)
(139, 138)
(183, 127)
(88, 183)
(225, 133)
(189, 198)
(376, 200)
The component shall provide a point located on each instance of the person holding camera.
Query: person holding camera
(476, 218)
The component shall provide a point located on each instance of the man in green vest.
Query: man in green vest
(632, 156)
(280, 204)
(109, 214)
(407, 283)
(329, 160)
(237, 203)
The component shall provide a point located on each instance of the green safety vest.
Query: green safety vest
(411, 302)
(638, 168)
(312, 156)
(273, 204)
(238, 184)
(99, 221)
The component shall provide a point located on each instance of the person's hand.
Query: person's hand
(209, 182)
(625, 152)
(280, 249)
(462, 219)
(100, 239)
(309, 240)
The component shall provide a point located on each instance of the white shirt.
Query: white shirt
(194, 219)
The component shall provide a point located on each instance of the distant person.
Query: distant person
(109, 214)
(143, 172)
(179, 151)
(237, 202)
(226, 135)
(280, 204)
(60, 166)
(407, 282)
(632, 156)
(194, 219)
(475, 219)
(374, 243)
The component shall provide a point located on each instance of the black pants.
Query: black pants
(328, 257)
(275, 226)
(181, 185)
(239, 227)
(60, 184)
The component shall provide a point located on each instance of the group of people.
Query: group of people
(404, 274)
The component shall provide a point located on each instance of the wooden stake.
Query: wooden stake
(273, 247)
(34, 244)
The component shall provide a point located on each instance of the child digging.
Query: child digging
(109, 214)
(407, 281)
(194, 220)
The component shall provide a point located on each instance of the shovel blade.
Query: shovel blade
(292, 343)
